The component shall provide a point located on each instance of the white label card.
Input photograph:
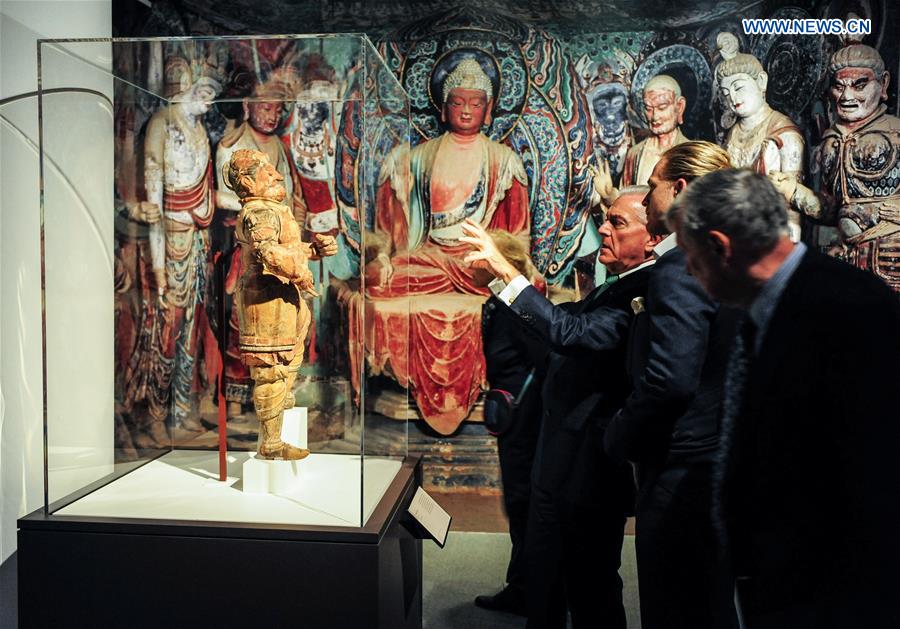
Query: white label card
(430, 515)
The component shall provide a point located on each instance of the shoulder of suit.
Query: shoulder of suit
(820, 278)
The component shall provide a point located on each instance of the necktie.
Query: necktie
(610, 280)
(735, 379)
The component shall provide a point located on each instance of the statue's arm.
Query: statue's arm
(791, 154)
(154, 161)
(819, 206)
(287, 263)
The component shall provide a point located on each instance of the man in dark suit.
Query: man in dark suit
(807, 479)
(514, 359)
(579, 496)
(669, 426)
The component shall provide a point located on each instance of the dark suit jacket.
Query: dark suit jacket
(584, 384)
(678, 355)
(811, 480)
(511, 349)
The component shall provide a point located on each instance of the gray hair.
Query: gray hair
(739, 203)
(636, 191)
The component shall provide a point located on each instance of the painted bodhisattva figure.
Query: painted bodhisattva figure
(762, 139)
(860, 163)
(273, 315)
(176, 339)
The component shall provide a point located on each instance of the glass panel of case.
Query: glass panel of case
(153, 276)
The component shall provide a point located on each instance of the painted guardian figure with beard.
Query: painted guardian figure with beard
(859, 158)
(272, 313)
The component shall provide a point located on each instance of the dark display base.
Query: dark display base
(102, 572)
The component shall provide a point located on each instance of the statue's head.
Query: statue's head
(741, 78)
(195, 97)
(250, 174)
(609, 103)
(265, 108)
(663, 104)
(318, 90)
(468, 97)
(859, 82)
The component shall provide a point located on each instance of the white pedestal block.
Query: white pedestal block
(293, 430)
(262, 476)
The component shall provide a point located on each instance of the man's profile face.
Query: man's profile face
(466, 110)
(264, 115)
(709, 267)
(661, 109)
(857, 92)
(658, 200)
(626, 241)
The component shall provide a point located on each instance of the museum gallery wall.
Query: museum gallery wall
(566, 85)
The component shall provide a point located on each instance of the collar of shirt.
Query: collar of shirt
(649, 262)
(763, 306)
(668, 243)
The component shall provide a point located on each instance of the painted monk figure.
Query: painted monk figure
(664, 112)
(272, 313)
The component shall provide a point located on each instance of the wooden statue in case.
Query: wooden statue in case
(273, 315)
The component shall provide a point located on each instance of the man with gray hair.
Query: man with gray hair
(669, 425)
(579, 496)
(807, 475)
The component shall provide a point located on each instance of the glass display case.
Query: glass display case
(208, 211)
(150, 407)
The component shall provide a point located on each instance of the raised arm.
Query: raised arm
(598, 330)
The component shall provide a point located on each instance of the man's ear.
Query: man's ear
(487, 115)
(444, 113)
(654, 240)
(679, 186)
(720, 244)
(680, 104)
(885, 81)
(762, 81)
(246, 109)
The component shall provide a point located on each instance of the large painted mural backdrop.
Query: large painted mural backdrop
(570, 83)
(567, 83)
